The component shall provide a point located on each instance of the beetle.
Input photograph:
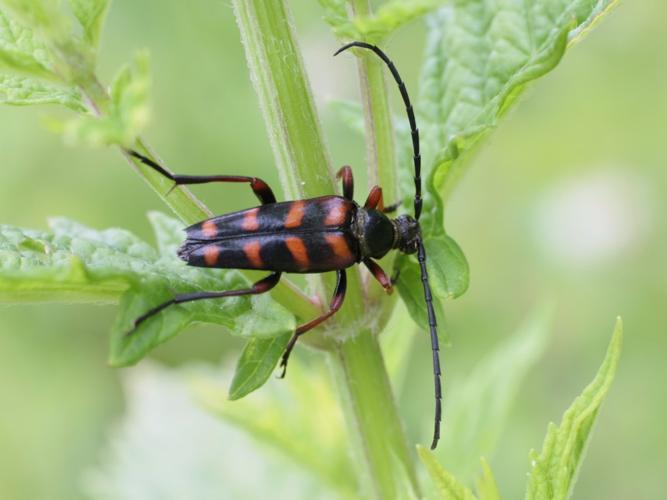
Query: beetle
(328, 233)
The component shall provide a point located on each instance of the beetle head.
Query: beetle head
(408, 233)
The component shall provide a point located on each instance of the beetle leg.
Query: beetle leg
(345, 173)
(258, 186)
(261, 286)
(374, 200)
(336, 302)
(379, 274)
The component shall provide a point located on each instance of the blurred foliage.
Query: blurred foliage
(554, 471)
(600, 114)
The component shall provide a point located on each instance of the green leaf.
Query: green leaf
(448, 273)
(480, 56)
(391, 16)
(335, 13)
(478, 406)
(410, 288)
(169, 233)
(20, 91)
(447, 486)
(256, 364)
(554, 471)
(486, 484)
(447, 267)
(126, 114)
(44, 16)
(72, 263)
(374, 28)
(21, 50)
(90, 14)
(250, 317)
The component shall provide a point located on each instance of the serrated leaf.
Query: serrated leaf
(90, 14)
(486, 484)
(21, 50)
(478, 406)
(480, 55)
(74, 263)
(553, 472)
(447, 486)
(126, 114)
(256, 364)
(21, 91)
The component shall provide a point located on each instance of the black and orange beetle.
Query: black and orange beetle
(329, 233)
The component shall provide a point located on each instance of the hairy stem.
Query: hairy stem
(380, 150)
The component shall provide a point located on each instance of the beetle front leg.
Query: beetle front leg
(379, 274)
(336, 303)
(261, 286)
(258, 186)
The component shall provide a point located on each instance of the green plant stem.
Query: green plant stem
(277, 73)
(371, 413)
(380, 150)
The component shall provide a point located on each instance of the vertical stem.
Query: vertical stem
(380, 150)
(372, 415)
(379, 129)
(277, 73)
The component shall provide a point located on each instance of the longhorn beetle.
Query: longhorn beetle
(329, 233)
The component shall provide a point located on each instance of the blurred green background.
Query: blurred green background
(565, 202)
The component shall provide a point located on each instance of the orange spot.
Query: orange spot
(295, 214)
(211, 254)
(252, 254)
(298, 251)
(335, 215)
(339, 246)
(250, 222)
(209, 229)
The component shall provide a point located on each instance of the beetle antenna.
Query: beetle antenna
(421, 251)
(433, 328)
(414, 131)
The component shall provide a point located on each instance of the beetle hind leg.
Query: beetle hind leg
(336, 303)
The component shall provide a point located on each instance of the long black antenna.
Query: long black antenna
(414, 131)
(421, 251)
